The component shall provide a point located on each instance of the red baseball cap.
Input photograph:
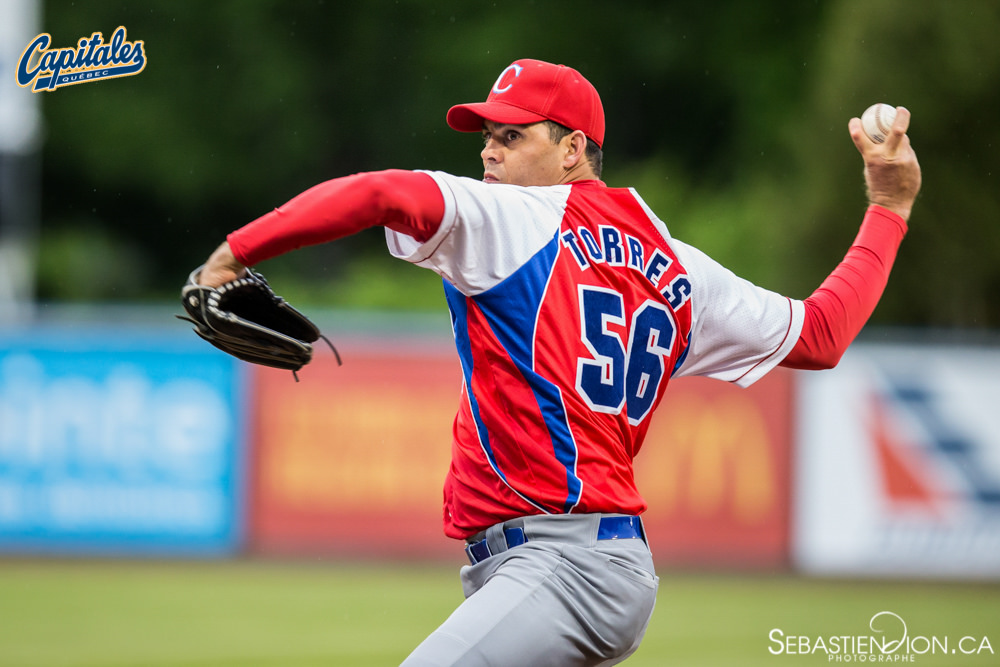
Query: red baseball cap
(530, 91)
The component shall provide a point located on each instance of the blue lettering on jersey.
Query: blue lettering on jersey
(593, 247)
(678, 291)
(570, 241)
(618, 249)
(658, 263)
(611, 237)
(635, 253)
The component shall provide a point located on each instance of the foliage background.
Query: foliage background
(729, 117)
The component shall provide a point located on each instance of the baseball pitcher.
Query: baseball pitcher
(572, 308)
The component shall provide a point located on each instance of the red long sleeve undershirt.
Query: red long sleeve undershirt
(839, 308)
(405, 201)
(411, 203)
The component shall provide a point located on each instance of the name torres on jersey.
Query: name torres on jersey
(613, 247)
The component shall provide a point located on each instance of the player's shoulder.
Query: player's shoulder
(477, 199)
(483, 189)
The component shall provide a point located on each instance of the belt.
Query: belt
(609, 528)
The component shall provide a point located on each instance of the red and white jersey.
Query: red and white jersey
(572, 308)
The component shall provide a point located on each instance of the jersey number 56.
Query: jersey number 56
(617, 376)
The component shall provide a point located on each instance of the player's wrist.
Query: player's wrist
(887, 214)
(221, 267)
(897, 207)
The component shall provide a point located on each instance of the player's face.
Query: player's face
(521, 155)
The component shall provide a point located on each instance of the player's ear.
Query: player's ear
(575, 146)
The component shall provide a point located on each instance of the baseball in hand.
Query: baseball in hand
(877, 121)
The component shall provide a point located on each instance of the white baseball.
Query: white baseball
(877, 121)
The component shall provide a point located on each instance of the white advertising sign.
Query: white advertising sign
(898, 464)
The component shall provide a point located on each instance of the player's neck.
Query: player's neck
(582, 171)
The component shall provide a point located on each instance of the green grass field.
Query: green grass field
(257, 613)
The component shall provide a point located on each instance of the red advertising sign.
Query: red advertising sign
(351, 462)
(352, 459)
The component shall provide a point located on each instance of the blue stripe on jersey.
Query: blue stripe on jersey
(683, 355)
(511, 308)
(459, 322)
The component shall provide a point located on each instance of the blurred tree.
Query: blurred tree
(942, 61)
(730, 120)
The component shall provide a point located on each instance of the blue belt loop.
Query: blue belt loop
(620, 528)
(478, 552)
(515, 537)
(609, 528)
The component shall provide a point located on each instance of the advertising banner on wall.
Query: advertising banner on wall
(351, 461)
(115, 444)
(899, 464)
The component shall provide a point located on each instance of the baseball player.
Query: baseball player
(572, 308)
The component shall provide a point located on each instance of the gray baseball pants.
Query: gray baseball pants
(562, 598)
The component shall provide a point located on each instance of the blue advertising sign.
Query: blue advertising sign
(119, 445)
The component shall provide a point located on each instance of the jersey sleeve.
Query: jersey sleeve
(739, 331)
(487, 231)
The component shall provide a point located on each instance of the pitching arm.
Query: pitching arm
(839, 308)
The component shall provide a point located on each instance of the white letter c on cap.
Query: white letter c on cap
(497, 90)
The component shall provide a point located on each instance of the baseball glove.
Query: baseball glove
(246, 319)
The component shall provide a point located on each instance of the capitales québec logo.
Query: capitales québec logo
(93, 59)
(890, 641)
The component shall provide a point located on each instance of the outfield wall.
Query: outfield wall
(150, 442)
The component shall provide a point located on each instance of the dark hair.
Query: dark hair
(595, 156)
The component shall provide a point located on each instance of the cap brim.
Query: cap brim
(470, 117)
